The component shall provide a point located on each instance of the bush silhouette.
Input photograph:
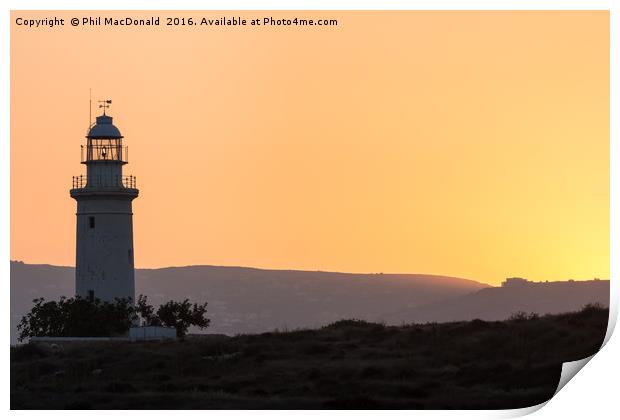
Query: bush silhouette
(80, 317)
(76, 317)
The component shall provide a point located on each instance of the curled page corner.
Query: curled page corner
(521, 412)
(570, 369)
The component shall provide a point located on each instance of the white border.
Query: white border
(312, 5)
(593, 394)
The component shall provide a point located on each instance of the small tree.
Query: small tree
(182, 315)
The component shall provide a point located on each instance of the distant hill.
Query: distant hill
(244, 300)
(499, 303)
(249, 300)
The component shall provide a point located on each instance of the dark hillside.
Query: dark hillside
(348, 364)
(495, 303)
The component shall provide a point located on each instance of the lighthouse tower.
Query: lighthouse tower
(104, 267)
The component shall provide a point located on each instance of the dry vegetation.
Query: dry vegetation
(349, 364)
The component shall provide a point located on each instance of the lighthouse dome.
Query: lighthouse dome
(104, 129)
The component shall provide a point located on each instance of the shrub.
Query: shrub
(80, 317)
(146, 312)
(76, 317)
(593, 308)
(356, 323)
(523, 316)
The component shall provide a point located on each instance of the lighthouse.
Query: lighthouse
(104, 258)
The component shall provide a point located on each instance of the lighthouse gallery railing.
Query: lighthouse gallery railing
(120, 181)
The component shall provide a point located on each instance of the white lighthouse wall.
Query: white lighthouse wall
(104, 257)
(104, 174)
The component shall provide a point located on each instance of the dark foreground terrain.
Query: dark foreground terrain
(346, 365)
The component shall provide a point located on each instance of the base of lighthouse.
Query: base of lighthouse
(104, 243)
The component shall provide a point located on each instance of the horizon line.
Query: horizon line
(322, 271)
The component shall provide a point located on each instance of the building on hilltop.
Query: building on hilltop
(515, 282)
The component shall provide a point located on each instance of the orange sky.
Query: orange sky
(473, 144)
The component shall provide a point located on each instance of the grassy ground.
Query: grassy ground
(347, 365)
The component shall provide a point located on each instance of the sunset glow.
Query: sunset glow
(470, 144)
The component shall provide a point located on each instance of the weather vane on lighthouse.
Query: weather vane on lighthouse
(105, 104)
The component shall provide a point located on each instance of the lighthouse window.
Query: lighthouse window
(91, 295)
(91, 222)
